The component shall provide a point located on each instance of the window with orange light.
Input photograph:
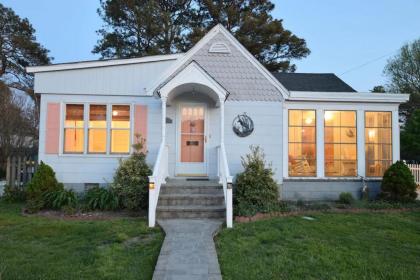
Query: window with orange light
(97, 129)
(74, 133)
(302, 143)
(340, 143)
(378, 142)
(120, 129)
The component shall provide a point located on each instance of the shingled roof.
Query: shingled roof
(327, 82)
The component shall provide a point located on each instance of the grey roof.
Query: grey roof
(327, 82)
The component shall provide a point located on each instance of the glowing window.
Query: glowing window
(120, 129)
(74, 129)
(97, 129)
(378, 142)
(302, 143)
(340, 143)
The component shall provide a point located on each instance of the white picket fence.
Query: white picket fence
(415, 169)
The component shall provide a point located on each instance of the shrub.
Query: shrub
(131, 180)
(255, 188)
(346, 198)
(398, 184)
(14, 194)
(43, 181)
(60, 199)
(98, 198)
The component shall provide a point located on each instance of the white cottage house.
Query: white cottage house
(200, 111)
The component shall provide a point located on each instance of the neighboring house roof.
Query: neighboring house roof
(321, 82)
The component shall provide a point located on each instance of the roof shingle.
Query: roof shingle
(312, 82)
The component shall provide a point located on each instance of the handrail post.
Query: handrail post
(152, 198)
(229, 204)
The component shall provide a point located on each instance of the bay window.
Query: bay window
(340, 140)
(120, 129)
(97, 129)
(378, 142)
(74, 133)
(302, 143)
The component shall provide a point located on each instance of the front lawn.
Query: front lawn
(51, 248)
(332, 246)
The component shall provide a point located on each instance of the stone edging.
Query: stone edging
(265, 216)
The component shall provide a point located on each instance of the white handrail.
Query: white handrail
(226, 180)
(415, 170)
(160, 173)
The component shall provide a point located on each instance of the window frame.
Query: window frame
(129, 129)
(63, 130)
(391, 144)
(86, 129)
(315, 126)
(89, 128)
(341, 143)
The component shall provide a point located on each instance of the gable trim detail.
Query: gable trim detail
(215, 30)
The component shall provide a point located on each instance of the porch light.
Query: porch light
(151, 186)
(115, 113)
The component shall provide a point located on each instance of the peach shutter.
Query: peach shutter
(140, 123)
(52, 129)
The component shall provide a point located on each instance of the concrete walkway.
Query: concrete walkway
(188, 251)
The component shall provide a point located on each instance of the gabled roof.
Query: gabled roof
(327, 82)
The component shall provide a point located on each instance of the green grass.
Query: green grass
(47, 248)
(333, 246)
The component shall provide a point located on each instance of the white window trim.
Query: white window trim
(360, 127)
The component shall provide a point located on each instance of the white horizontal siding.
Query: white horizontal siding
(268, 131)
(77, 169)
(131, 79)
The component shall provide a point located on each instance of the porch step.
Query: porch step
(191, 199)
(180, 198)
(192, 212)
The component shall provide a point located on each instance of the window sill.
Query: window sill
(96, 155)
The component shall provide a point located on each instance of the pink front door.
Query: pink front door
(192, 139)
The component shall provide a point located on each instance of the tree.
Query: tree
(17, 127)
(251, 22)
(144, 27)
(403, 71)
(141, 27)
(378, 89)
(19, 49)
(410, 135)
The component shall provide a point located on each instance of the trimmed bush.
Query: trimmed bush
(346, 198)
(60, 199)
(14, 194)
(44, 181)
(398, 184)
(98, 198)
(255, 188)
(131, 180)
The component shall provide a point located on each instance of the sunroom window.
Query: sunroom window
(74, 129)
(378, 142)
(97, 129)
(120, 129)
(340, 138)
(302, 143)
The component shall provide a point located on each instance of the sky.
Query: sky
(351, 38)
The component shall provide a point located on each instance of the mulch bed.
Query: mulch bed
(265, 216)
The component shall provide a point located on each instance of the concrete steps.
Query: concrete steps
(191, 199)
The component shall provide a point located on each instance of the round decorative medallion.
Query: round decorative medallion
(243, 125)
